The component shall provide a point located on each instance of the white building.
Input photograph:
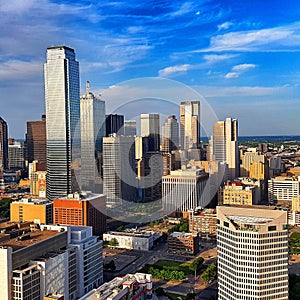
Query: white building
(137, 240)
(252, 245)
(283, 189)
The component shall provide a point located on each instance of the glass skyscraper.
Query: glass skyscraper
(61, 72)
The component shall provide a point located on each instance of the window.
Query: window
(226, 224)
(272, 228)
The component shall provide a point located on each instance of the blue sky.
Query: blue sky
(241, 56)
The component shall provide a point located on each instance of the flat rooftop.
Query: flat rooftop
(249, 220)
(29, 239)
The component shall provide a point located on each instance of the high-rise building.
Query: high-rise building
(119, 177)
(63, 120)
(190, 124)
(150, 127)
(3, 145)
(252, 245)
(183, 190)
(84, 209)
(170, 135)
(130, 128)
(224, 145)
(114, 124)
(92, 120)
(255, 162)
(16, 156)
(36, 140)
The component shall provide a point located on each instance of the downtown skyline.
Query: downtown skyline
(241, 57)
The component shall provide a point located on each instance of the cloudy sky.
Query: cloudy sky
(242, 57)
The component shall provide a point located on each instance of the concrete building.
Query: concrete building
(85, 209)
(282, 189)
(254, 165)
(3, 145)
(224, 145)
(114, 124)
(136, 286)
(130, 128)
(170, 135)
(235, 192)
(150, 127)
(16, 156)
(136, 240)
(38, 184)
(119, 177)
(252, 245)
(184, 190)
(34, 210)
(61, 72)
(203, 221)
(36, 140)
(190, 124)
(181, 243)
(92, 124)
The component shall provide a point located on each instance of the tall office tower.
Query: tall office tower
(92, 122)
(114, 124)
(130, 128)
(170, 135)
(119, 177)
(190, 124)
(16, 156)
(36, 140)
(63, 120)
(150, 127)
(3, 145)
(252, 245)
(249, 159)
(224, 145)
(184, 190)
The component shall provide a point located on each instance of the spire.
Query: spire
(87, 87)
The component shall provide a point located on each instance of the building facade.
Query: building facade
(130, 128)
(114, 124)
(3, 145)
(252, 245)
(170, 135)
(61, 72)
(203, 221)
(150, 127)
(181, 243)
(16, 156)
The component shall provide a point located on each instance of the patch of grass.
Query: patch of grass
(174, 265)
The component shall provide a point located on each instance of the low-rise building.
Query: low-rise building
(203, 221)
(181, 243)
(130, 287)
(137, 240)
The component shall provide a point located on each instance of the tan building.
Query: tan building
(296, 203)
(33, 210)
(181, 243)
(252, 253)
(203, 221)
(236, 192)
(254, 165)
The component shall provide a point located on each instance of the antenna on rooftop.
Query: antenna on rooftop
(87, 87)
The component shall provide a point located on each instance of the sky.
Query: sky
(240, 58)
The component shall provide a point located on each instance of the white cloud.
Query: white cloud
(213, 58)
(183, 9)
(232, 75)
(243, 67)
(174, 69)
(224, 26)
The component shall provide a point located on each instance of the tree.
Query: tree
(113, 242)
(120, 228)
(210, 272)
(184, 227)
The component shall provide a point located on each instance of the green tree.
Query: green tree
(113, 242)
(184, 227)
(5, 208)
(120, 228)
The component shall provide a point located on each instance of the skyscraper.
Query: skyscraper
(224, 145)
(3, 145)
(119, 178)
(36, 140)
(252, 246)
(130, 128)
(190, 124)
(150, 127)
(92, 121)
(61, 72)
(114, 124)
(170, 134)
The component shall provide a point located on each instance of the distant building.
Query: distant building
(150, 127)
(3, 145)
(136, 240)
(34, 210)
(190, 124)
(16, 156)
(170, 135)
(141, 146)
(114, 123)
(136, 286)
(252, 246)
(85, 209)
(130, 128)
(183, 190)
(203, 221)
(36, 140)
(254, 165)
(181, 243)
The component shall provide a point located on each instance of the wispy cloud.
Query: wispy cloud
(214, 58)
(237, 70)
(173, 70)
(232, 75)
(224, 26)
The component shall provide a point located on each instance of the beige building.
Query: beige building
(296, 203)
(252, 245)
(33, 210)
(254, 165)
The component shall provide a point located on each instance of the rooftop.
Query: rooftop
(249, 220)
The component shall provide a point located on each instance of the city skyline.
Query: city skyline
(241, 57)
